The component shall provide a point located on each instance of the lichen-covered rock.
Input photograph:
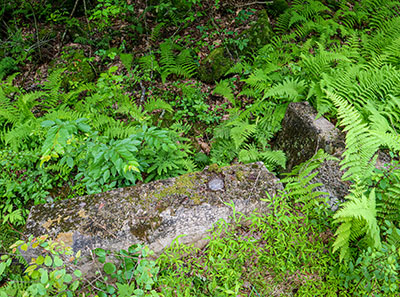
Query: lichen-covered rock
(260, 33)
(215, 65)
(155, 213)
(302, 135)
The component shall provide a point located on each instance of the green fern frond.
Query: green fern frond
(249, 153)
(241, 131)
(53, 83)
(182, 64)
(388, 207)
(275, 158)
(153, 104)
(357, 217)
(296, 19)
(239, 68)
(394, 237)
(310, 9)
(186, 65)
(224, 89)
(20, 136)
(282, 24)
(223, 151)
(156, 32)
(260, 80)
(149, 63)
(291, 89)
(25, 103)
(322, 62)
(126, 60)
(361, 145)
(8, 112)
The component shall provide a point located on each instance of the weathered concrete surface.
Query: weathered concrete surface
(302, 135)
(155, 213)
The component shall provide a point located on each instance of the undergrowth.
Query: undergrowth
(127, 105)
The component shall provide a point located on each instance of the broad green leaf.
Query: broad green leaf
(40, 260)
(77, 273)
(30, 269)
(70, 162)
(68, 278)
(74, 285)
(48, 261)
(100, 252)
(2, 267)
(109, 268)
(44, 276)
(47, 124)
(57, 261)
(41, 289)
(84, 127)
(106, 175)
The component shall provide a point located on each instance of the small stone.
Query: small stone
(216, 184)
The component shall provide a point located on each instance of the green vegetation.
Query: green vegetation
(96, 95)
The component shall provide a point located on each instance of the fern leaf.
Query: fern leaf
(224, 89)
(154, 104)
(361, 209)
(290, 88)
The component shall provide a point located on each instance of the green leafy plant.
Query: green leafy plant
(22, 184)
(46, 274)
(192, 106)
(182, 64)
(131, 273)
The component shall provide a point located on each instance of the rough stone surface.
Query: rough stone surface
(260, 32)
(155, 213)
(215, 65)
(302, 135)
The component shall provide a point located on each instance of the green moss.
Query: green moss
(214, 168)
(184, 185)
(260, 33)
(239, 175)
(215, 65)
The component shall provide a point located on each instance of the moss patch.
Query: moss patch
(186, 185)
(215, 65)
(260, 32)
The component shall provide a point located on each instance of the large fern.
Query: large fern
(182, 64)
(357, 218)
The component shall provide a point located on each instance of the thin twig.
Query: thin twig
(70, 16)
(36, 29)
(87, 19)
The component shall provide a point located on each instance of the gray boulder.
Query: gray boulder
(302, 135)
